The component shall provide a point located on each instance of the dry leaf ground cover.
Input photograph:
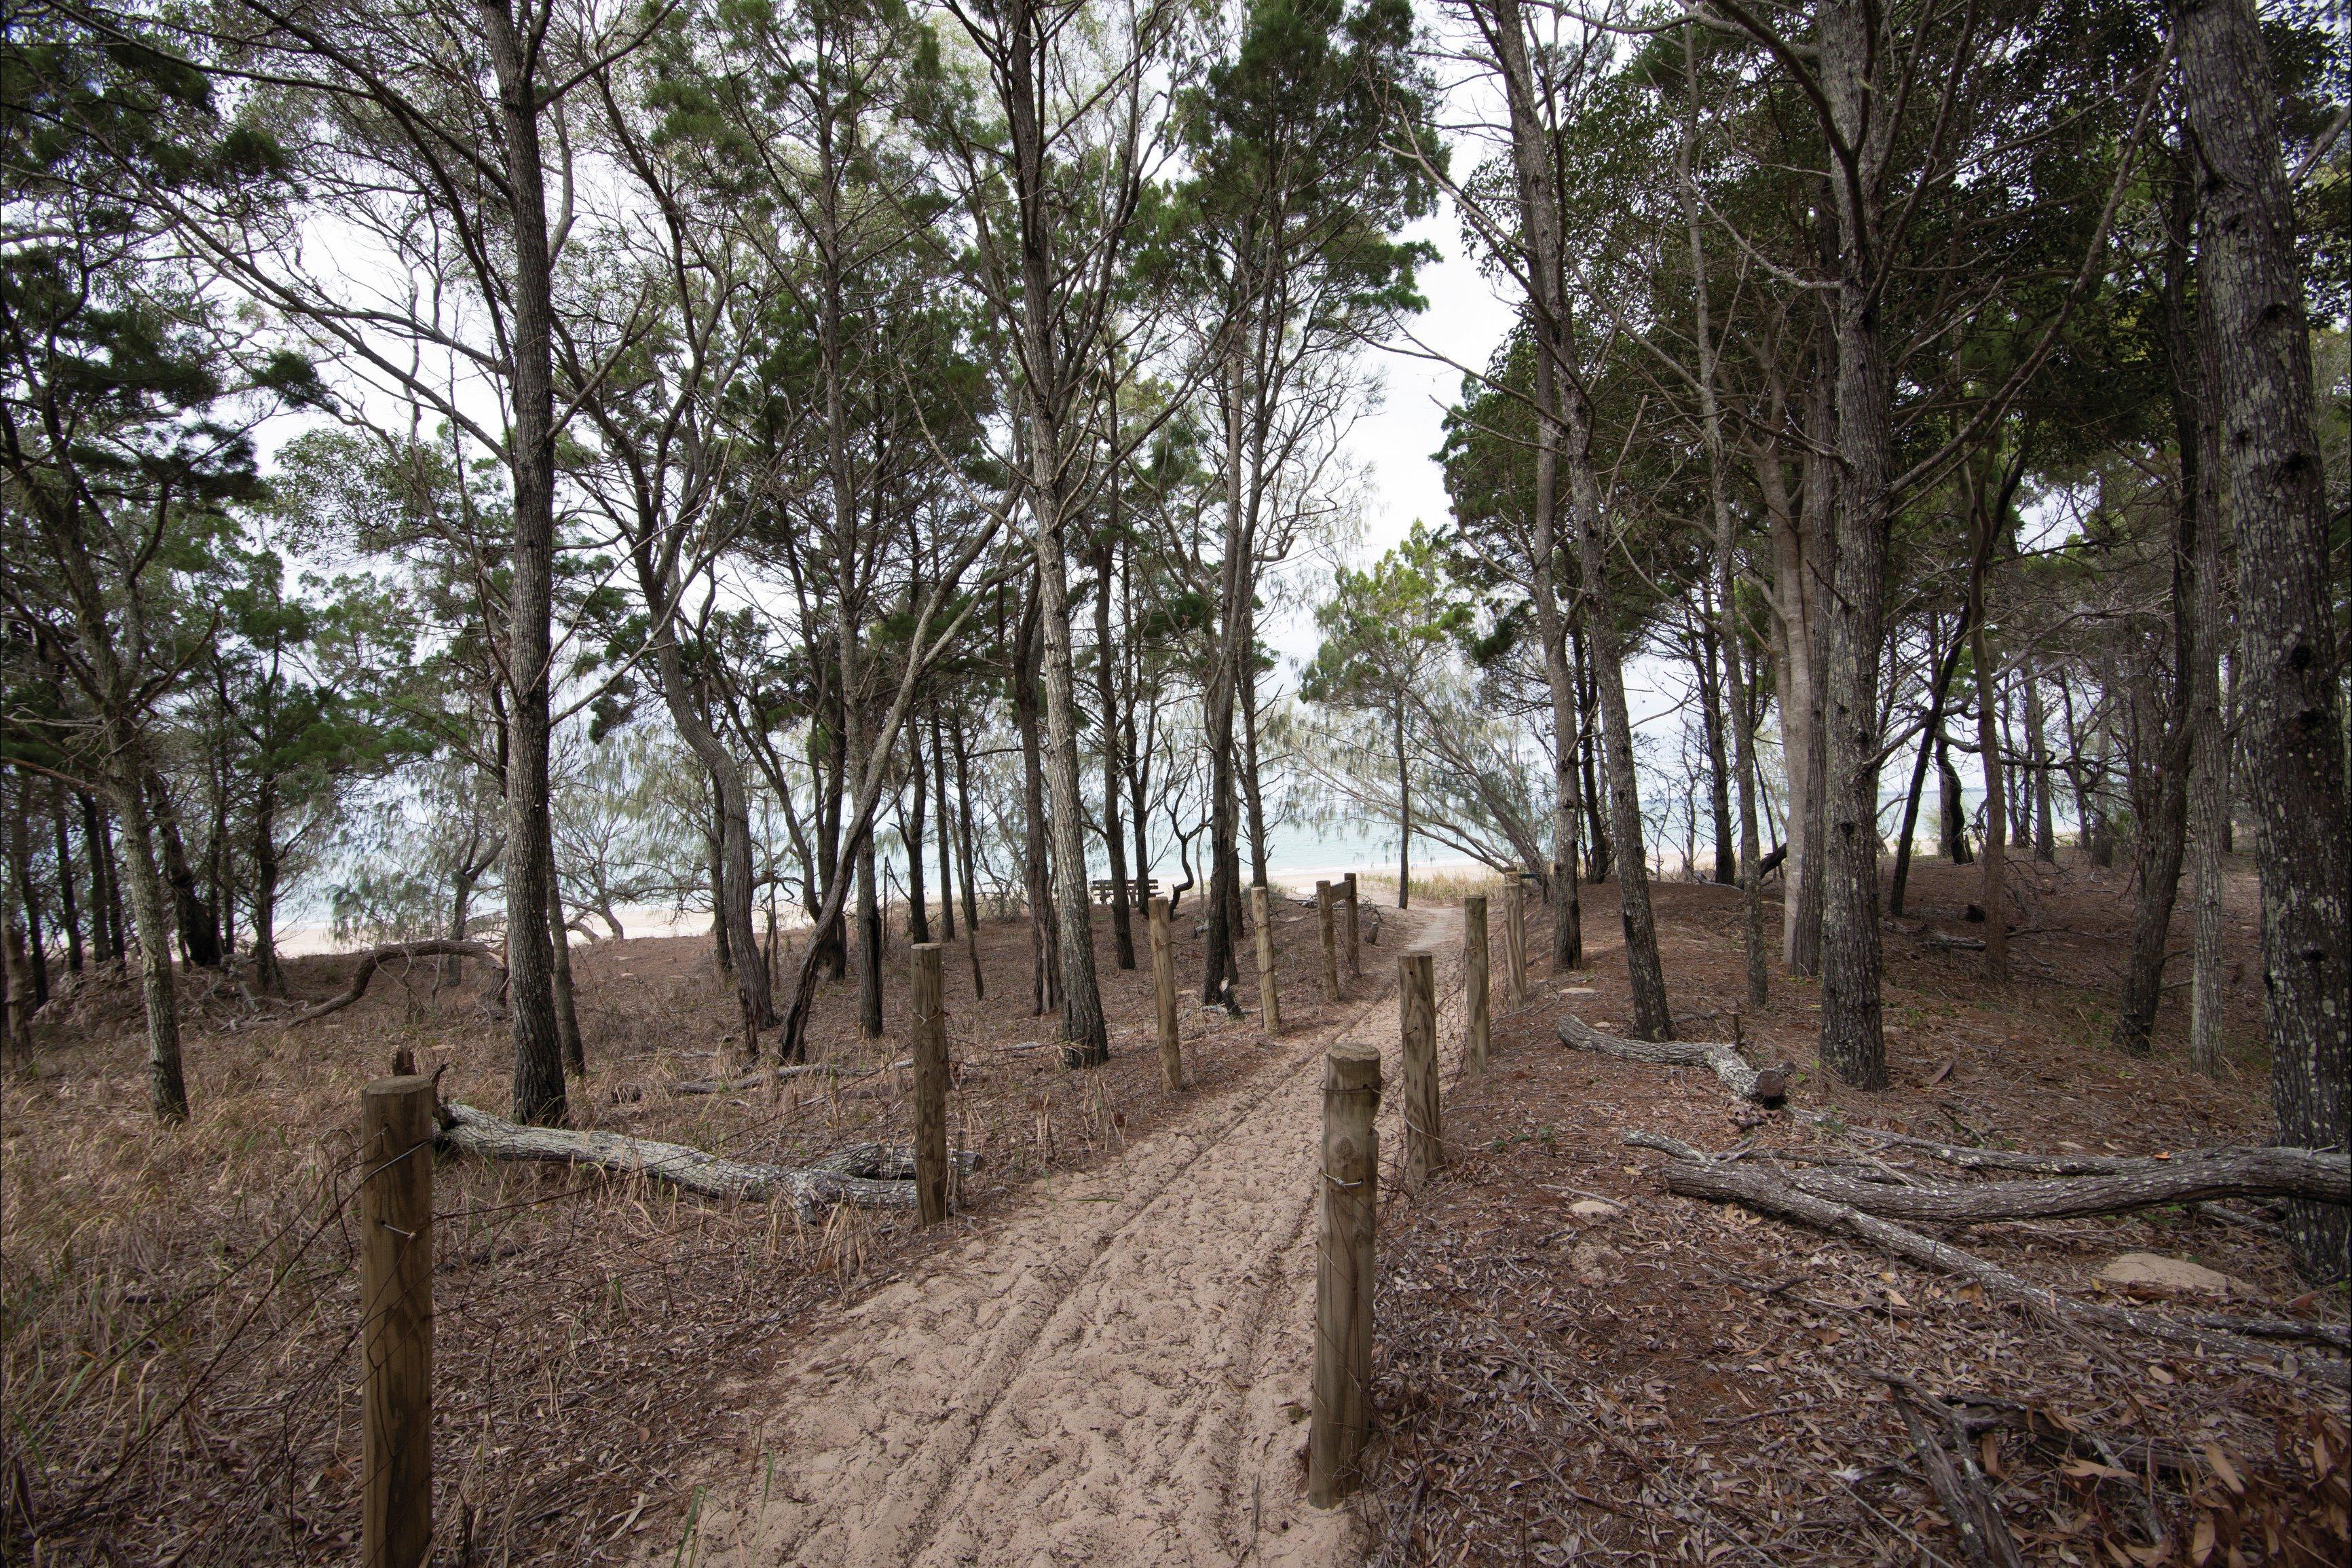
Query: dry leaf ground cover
(1658, 1379)
(177, 1304)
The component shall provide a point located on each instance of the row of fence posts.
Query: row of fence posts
(1340, 1403)
(396, 1198)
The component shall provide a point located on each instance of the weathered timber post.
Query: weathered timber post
(927, 1006)
(1424, 1148)
(1474, 981)
(1261, 911)
(1347, 883)
(396, 1322)
(1340, 1400)
(1163, 986)
(1323, 913)
(1515, 940)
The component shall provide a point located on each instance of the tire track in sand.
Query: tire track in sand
(1101, 1375)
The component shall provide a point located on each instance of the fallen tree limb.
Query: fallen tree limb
(2054, 1165)
(1967, 1501)
(750, 1079)
(1768, 1193)
(810, 1191)
(1767, 1085)
(885, 1162)
(2151, 1184)
(375, 958)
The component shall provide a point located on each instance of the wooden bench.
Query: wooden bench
(1103, 889)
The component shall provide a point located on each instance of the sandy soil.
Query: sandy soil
(1114, 1370)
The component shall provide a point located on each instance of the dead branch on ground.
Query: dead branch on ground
(1765, 1086)
(376, 958)
(810, 1190)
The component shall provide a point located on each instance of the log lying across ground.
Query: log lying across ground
(2128, 1184)
(848, 1177)
(1696, 1175)
(375, 958)
(1765, 1086)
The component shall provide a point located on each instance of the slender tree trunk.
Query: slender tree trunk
(199, 932)
(918, 909)
(2037, 740)
(2208, 776)
(1852, 1044)
(1652, 1019)
(1123, 930)
(1045, 967)
(1531, 150)
(266, 971)
(946, 861)
(1709, 670)
(963, 844)
(567, 1015)
(1251, 797)
(20, 856)
(869, 938)
(530, 985)
(66, 901)
(1994, 887)
(2273, 484)
(2163, 800)
(167, 1091)
(1404, 816)
(1817, 582)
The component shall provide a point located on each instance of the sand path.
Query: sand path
(1115, 1371)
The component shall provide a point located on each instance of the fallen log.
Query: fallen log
(885, 1162)
(750, 1079)
(376, 958)
(2138, 1184)
(1767, 1193)
(810, 1191)
(2002, 1159)
(1765, 1086)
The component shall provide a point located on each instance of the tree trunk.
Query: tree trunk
(567, 1015)
(2037, 742)
(1993, 892)
(199, 931)
(1931, 734)
(20, 860)
(1652, 1020)
(1851, 1045)
(1404, 815)
(105, 899)
(167, 1091)
(1251, 799)
(530, 654)
(2273, 483)
(1816, 581)
(946, 828)
(266, 971)
(66, 901)
(1122, 929)
(868, 947)
(918, 910)
(963, 844)
(1531, 152)
(1708, 666)
(2162, 802)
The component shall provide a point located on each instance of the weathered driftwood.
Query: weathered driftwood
(1766, 1191)
(811, 1191)
(1765, 1086)
(376, 958)
(750, 1079)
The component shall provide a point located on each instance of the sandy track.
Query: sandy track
(1115, 1371)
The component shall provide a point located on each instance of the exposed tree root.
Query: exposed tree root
(840, 1178)
(376, 958)
(1765, 1086)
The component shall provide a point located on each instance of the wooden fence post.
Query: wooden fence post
(1323, 915)
(1163, 986)
(1348, 884)
(1514, 939)
(929, 1009)
(396, 1323)
(1340, 1399)
(1474, 981)
(1261, 911)
(1424, 1146)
